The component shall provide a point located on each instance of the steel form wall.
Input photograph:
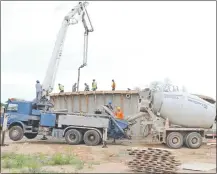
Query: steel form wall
(90, 101)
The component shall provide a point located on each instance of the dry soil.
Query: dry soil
(108, 160)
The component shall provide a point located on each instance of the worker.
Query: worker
(74, 87)
(38, 91)
(110, 105)
(113, 85)
(86, 87)
(119, 114)
(61, 87)
(94, 85)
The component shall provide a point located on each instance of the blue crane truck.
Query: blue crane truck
(25, 118)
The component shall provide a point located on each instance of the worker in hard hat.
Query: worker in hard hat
(38, 91)
(86, 87)
(94, 85)
(113, 85)
(119, 114)
(110, 105)
(61, 87)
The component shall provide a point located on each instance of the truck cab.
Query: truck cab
(23, 119)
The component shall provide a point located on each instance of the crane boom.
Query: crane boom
(78, 13)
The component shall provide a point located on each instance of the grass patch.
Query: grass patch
(33, 163)
(60, 159)
(12, 160)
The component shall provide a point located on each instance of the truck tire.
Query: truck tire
(16, 133)
(73, 137)
(92, 138)
(175, 140)
(30, 135)
(194, 140)
(185, 140)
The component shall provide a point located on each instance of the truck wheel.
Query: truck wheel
(175, 140)
(16, 133)
(92, 138)
(194, 140)
(30, 135)
(185, 140)
(73, 137)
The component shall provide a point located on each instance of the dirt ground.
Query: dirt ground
(109, 160)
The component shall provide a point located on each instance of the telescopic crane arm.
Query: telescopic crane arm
(78, 13)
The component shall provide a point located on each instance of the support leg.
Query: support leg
(44, 135)
(104, 137)
(104, 144)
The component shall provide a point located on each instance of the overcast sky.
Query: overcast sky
(133, 42)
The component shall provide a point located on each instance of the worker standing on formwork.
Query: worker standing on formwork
(113, 85)
(38, 91)
(74, 87)
(61, 88)
(94, 85)
(86, 87)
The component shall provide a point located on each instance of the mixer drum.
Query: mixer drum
(184, 109)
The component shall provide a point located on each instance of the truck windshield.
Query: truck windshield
(12, 107)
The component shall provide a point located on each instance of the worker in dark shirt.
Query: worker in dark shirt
(109, 105)
(86, 87)
(74, 87)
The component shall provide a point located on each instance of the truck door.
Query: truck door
(19, 111)
(12, 110)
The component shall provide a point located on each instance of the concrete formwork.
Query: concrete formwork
(90, 101)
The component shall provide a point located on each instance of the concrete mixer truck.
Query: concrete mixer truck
(176, 118)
